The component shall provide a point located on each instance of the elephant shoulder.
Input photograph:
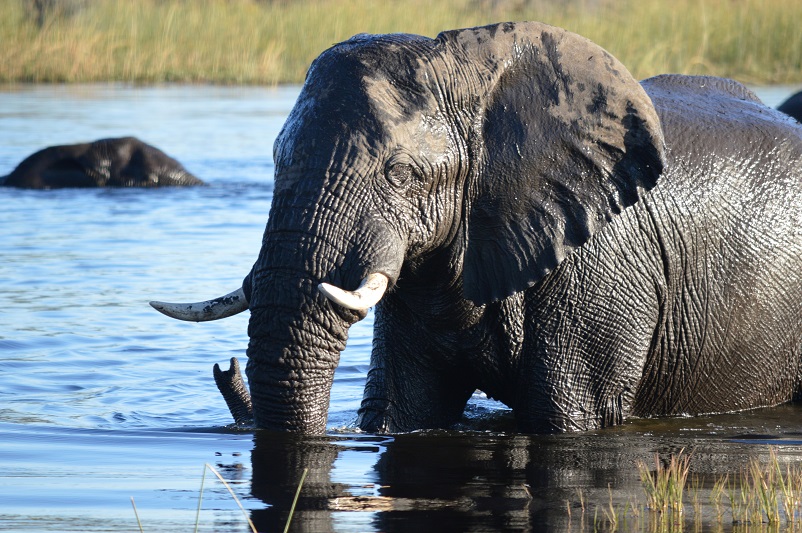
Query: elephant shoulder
(702, 99)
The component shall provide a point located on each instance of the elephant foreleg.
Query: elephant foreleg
(235, 393)
(414, 382)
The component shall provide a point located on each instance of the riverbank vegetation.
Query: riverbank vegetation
(273, 41)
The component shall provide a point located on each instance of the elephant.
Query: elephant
(117, 162)
(528, 220)
(792, 106)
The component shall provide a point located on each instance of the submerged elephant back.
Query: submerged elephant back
(51, 168)
(792, 107)
(115, 162)
(129, 162)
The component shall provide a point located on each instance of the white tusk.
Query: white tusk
(225, 306)
(366, 296)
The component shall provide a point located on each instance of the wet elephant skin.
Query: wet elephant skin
(580, 246)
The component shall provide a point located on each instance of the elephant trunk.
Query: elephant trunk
(291, 363)
(299, 294)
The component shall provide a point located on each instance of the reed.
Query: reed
(611, 512)
(209, 467)
(763, 497)
(716, 495)
(664, 487)
(790, 488)
(273, 41)
(251, 525)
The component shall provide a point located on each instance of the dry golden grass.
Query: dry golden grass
(269, 42)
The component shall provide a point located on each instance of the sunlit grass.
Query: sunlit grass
(764, 496)
(268, 42)
(664, 487)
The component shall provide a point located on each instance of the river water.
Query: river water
(103, 400)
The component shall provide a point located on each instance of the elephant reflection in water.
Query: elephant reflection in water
(477, 481)
(116, 162)
(419, 484)
(278, 463)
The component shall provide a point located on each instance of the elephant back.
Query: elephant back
(708, 117)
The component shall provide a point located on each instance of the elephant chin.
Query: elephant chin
(286, 416)
(292, 398)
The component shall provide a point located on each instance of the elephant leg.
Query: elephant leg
(235, 393)
(413, 381)
(586, 376)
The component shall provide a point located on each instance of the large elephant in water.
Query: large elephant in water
(118, 162)
(528, 220)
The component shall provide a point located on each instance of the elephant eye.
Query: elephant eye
(399, 174)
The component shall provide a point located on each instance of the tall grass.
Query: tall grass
(273, 41)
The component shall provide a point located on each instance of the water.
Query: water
(103, 400)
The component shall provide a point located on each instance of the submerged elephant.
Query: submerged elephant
(120, 162)
(793, 106)
(528, 220)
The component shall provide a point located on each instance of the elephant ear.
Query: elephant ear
(565, 139)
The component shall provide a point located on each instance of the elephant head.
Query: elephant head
(477, 160)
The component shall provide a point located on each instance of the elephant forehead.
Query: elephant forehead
(393, 106)
(410, 118)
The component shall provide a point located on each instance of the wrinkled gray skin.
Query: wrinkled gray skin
(578, 245)
(793, 106)
(119, 162)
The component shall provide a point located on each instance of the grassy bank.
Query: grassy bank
(269, 42)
